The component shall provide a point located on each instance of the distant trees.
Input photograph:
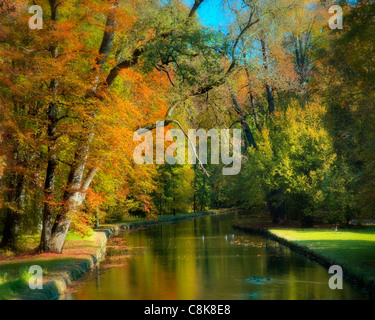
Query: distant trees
(349, 91)
(325, 172)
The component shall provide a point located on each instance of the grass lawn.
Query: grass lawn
(14, 269)
(352, 249)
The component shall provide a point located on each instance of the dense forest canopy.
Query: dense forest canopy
(73, 93)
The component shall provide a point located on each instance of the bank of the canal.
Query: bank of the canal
(60, 270)
(352, 249)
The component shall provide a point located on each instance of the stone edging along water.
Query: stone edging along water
(356, 279)
(60, 283)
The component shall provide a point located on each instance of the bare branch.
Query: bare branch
(248, 25)
(162, 68)
(124, 65)
(193, 147)
(195, 7)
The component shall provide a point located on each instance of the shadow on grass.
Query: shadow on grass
(358, 256)
(14, 276)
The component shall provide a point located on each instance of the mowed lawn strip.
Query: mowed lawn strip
(352, 249)
(14, 274)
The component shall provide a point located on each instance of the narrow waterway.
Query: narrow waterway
(204, 258)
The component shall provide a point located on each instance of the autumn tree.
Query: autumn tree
(349, 92)
(73, 72)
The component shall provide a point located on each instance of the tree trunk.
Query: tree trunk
(59, 232)
(252, 102)
(97, 218)
(72, 201)
(195, 190)
(11, 227)
(275, 204)
(49, 183)
(269, 90)
(45, 239)
(73, 196)
(15, 196)
(248, 134)
(174, 208)
(195, 203)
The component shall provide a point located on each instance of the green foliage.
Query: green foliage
(73, 235)
(350, 95)
(296, 157)
(3, 278)
(175, 192)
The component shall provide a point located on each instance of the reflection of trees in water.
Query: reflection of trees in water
(172, 260)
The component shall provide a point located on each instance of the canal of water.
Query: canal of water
(204, 258)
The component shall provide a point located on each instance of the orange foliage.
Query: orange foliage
(26, 71)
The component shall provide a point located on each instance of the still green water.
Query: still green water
(200, 259)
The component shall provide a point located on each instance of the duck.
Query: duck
(268, 278)
(252, 279)
(225, 237)
(259, 280)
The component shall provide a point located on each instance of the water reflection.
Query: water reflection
(203, 259)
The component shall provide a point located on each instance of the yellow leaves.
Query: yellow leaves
(296, 156)
(125, 21)
(150, 35)
(117, 118)
(131, 75)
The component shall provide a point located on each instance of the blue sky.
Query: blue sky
(211, 13)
